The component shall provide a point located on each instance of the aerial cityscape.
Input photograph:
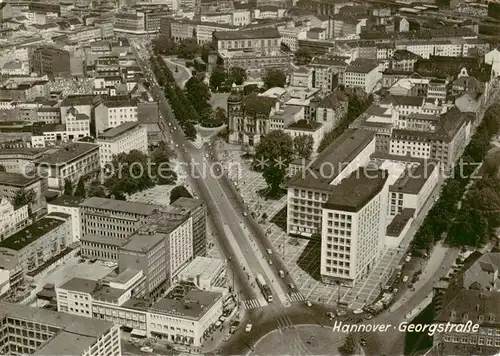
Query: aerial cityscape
(253, 177)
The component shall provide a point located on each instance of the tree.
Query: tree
(217, 78)
(276, 146)
(188, 49)
(348, 347)
(238, 75)
(303, 55)
(80, 190)
(68, 187)
(164, 44)
(166, 177)
(220, 115)
(275, 78)
(97, 190)
(303, 146)
(130, 174)
(162, 154)
(23, 197)
(198, 94)
(190, 131)
(274, 176)
(179, 192)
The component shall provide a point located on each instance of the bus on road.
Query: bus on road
(264, 288)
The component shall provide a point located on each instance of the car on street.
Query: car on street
(248, 328)
(357, 311)
(281, 273)
(270, 262)
(291, 286)
(269, 251)
(308, 303)
(341, 313)
(368, 316)
(362, 341)
(330, 315)
(408, 258)
(245, 214)
(405, 279)
(147, 349)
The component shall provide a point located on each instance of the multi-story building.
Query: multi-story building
(413, 187)
(77, 125)
(113, 218)
(132, 23)
(160, 249)
(403, 60)
(69, 162)
(255, 50)
(456, 47)
(51, 61)
(332, 109)
(70, 205)
(353, 226)
(362, 75)
(122, 139)
(12, 183)
(12, 220)
(303, 127)
(38, 243)
(247, 122)
(114, 111)
(474, 306)
(444, 142)
(20, 160)
(100, 247)
(310, 188)
(204, 31)
(28, 330)
(197, 210)
(327, 73)
(83, 104)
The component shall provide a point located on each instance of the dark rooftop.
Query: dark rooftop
(333, 159)
(68, 153)
(304, 125)
(263, 33)
(355, 191)
(16, 179)
(399, 222)
(254, 104)
(31, 233)
(193, 305)
(469, 305)
(118, 130)
(413, 178)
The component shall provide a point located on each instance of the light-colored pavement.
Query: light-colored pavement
(183, 73)
(300, 340)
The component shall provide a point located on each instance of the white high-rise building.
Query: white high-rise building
(354, 224)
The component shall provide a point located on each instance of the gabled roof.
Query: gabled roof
(332, 100)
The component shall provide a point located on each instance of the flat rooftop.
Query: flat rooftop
(333, 159)
(355, 191)
(118, 131)
(399, 222)
(76, 333)
(187, 203)
(67, 200)
(105, 240)
(120, 206)
(413, 178)
(16, 179)
(68, 153)
(204, 267)
(143, 242)
(193, 305)
(31, 233)
(122, 277)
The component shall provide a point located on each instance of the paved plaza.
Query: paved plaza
(301, 256)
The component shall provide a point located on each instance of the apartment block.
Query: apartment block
(114, 111)
(114, 218)
(70, 205)
(37, 243)
(12, 184)
(123, 138)
(310, 188)
(11, 220)
(363, 76)
(69, 162)
(28, 330)
(353, 231)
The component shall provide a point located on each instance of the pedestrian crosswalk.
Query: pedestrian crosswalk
(251, 303)
(295, 297)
